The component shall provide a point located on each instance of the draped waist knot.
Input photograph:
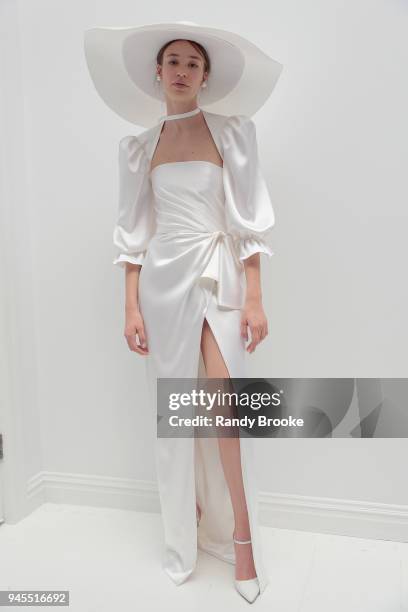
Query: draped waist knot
(219, 261)
(229, 271)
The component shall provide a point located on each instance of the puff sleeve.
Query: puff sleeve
(135, 223)
(249, 211)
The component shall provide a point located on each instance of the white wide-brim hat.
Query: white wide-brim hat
(122, 64)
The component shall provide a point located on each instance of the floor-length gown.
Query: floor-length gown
(191, 270)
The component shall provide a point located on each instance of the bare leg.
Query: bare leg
(231, 462)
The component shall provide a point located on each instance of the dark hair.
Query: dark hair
(196, 45)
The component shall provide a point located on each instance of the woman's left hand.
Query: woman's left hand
(253, 315)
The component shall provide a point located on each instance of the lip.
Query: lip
(180, 84)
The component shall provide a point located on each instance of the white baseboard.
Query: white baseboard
(92, 490)
(305, 513)
(360, 519)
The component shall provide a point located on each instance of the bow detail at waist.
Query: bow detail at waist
(229, 270)
(220, 262)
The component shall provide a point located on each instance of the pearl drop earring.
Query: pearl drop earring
(204, 84)
(158, 77)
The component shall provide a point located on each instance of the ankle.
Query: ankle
(242, 532)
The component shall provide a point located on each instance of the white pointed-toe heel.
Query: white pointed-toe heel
(249, 589)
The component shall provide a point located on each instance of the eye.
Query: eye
(175, 61)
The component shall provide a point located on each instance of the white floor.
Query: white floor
(110, 560)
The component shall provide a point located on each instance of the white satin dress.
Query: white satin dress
(174, 221)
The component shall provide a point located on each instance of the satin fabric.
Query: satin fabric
(244, 226)
(190, 224)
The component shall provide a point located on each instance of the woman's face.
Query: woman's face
(182, 63)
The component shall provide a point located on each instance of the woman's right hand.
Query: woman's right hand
(135, 325)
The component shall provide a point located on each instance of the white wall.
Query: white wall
(332, 142)
(19, 409)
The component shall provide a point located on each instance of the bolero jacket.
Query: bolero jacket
(249, 212)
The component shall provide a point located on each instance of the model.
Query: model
(194, 216)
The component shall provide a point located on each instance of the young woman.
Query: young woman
(194, 216)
